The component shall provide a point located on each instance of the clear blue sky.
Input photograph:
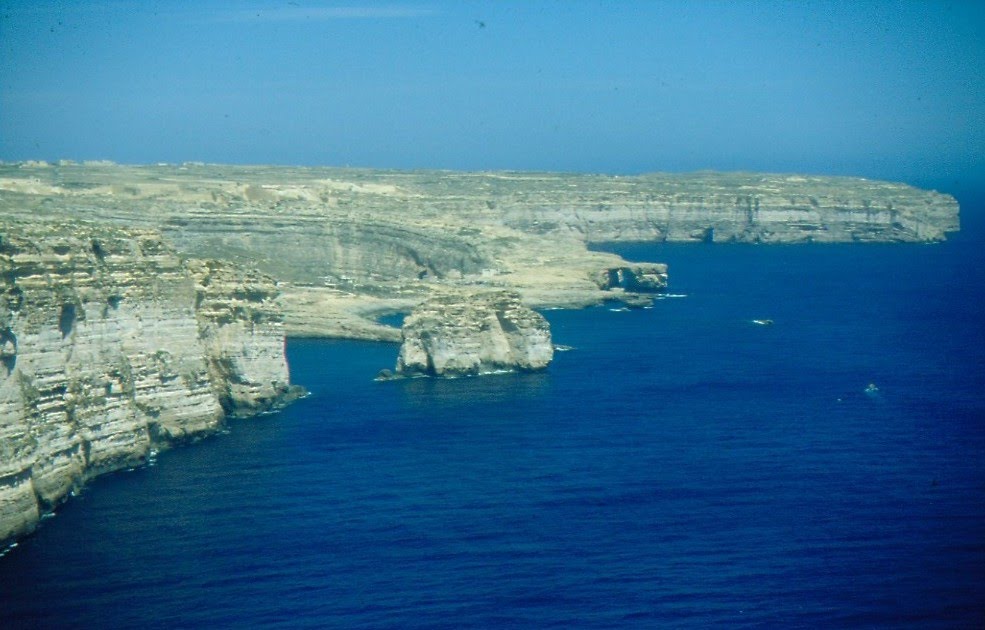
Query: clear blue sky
(880, 89)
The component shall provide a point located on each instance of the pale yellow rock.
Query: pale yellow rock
(104, 356)
(348, 238)
(473, 333)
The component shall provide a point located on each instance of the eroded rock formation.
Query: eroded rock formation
(646, 278)
(112, 345)
(460, 334)
(112, 348)
(347, 244)
(737, 207)
(241, 329)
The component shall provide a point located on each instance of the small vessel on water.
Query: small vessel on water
(763, 322)
(871, 390)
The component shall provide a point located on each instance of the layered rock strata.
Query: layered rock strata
(402, 224)
(113, 348)
(740, 207)
(242, 332)
(465, 335)
(348, 239)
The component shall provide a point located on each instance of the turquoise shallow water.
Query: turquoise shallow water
(680, 467)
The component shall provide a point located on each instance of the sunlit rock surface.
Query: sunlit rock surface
(128, 320)
(460, 334)
(112, 348)
(241, 328)
(350, 244)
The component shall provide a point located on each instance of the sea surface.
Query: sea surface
(681, 467)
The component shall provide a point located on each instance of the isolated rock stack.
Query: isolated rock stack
(466, 334)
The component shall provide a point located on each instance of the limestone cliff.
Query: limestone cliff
(111, 345)
(735, 207)
(350, 243)
(104, 357)
(464, 335)
(242, 331)
(646, 278)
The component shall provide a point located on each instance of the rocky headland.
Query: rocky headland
(141, 305)
(112, 347)
(349, 245)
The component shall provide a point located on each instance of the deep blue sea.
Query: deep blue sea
(681, 467)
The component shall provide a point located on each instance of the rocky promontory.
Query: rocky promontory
(112, 347)
(470, 334)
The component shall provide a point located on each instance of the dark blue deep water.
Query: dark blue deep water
(681, 467)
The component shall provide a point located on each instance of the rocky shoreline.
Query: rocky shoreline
(348, 244)
(141, 306)
(113, 348)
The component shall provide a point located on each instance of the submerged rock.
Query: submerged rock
(466, 334)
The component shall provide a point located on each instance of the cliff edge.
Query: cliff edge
(112, 347)
(349, 244)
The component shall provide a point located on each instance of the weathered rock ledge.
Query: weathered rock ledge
(113, 347)
(459, 334)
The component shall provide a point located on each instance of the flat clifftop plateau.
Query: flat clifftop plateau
(111, 347)
(348, 245)
(467, 334)
(401, 205)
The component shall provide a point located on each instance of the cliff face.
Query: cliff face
(467, 335)
(242, 333)
(105, 359)
(304, 225)
(351, 243)
(747, 207)
(112, 346)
